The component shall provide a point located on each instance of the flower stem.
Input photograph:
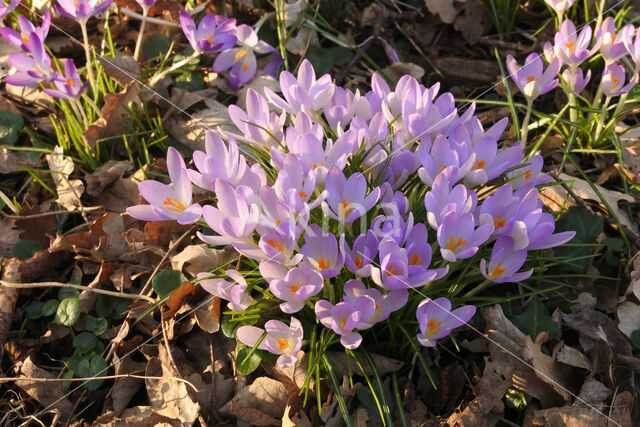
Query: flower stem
(573, 104)
(87, 53)
(136, 52)
(478, 288)
(524, 131)
(81, 111)
(600, 125)
(174, 67)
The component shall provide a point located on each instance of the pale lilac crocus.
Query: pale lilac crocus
(444, 158)
(541, 235)
(347, 198)
(528, 176)
(235, 292)
(242, 60)
(279, 244)
(321, 252)
(632, 44)
(146, 3)
(393, 272)
(68, 86)
(560, 7)
(436, 320)
(358, 259)
(531, 78)
(165, 202)
(570, 47)
(282, 340)
(459, 238)
(346, 317)
(491, 163)
(419, 254)
(81, 10)
(612, 43)
(385, 304)
(344, 105)
(504, 263)
(393, 226)
(4, 10)
(258, 125)
(613, 80)
(304, 93)
(581, 79)
(21, 39)
(294, 287)
(214, 33)
(500, 208)
(443, 199)
(32, 69)
(297, 184)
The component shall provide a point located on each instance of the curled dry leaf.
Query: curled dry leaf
(573, 357)
(11, 161)
(123, 69)
(594, 392)
(443, 8)
(167, 396)
(305, 40)
(195, 259)
(106, 175)
(629, 317)
(473, 22)
(398, 69)
(262, 403)
(208, 315)
(292, 10)
(191, 130)
(48, 394)
(125, 388)
(545, 367)
(69, 191)
(112, 121)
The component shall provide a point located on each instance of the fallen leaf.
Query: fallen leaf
(443, 8)
(294, 374)
(195, 259)
(48, 394)
(105, 175)
(191, 131)
(208, 315)
(125, 388)
(262, 403)
(69, 191)
(176, 299)
(10, 236)
(398, 69)
(112, 120)
(473, 23)
(13, 161)
(629, 317)
(545, 367)
(305, 40)
(123, 69)
(167, 396)
(573, 357)
(292, 10)
(594, 392)
(139, 416)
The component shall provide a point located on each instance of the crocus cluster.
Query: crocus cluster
(326, 214)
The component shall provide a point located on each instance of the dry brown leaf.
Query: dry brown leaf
(87, 298)
(69, 191)
(300, 419)
(47, 394)
(112, 121)
(594, 392)
(10, 236)
(443, 8)
(183, 99)
(123, 69)
(208, 315)
(258, 84)
(195, 259)
(139, 416)
(105, 175)
(473, 22)
(191, 130)
(167, 396)
(629, 317)
(294, 374)
(305, 40)
(573, 357)
(292, 10)
(12, 161)
(545, 367)
(125, 388)
(576, 416)
(384, 365)
(398, 69)
(501, 330)
(176, 299)
(262, 403)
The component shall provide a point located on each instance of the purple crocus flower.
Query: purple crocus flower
(581, 79)
(213, 34)
(530, 78)
(234, 219)
(419, 256)
(81, 10)
(294, 287)
(385, 304)
(613, 79)
(297, 184)
(33, 69)
(347, 199)
(541, 235)
(459, 238)
(442, 199)
(570, 47)
(560, 6)
(146, 4)
(392, 226)
(236, 293)
(364, 251)
(281, 339)
(242, 60)
(304, 93)
(612, 44)
(70, 85)
(259, 126)
(491, 163)
(436, 320)
(444, 158)
(321, 252)
(632, 44)
(500, 208)
(166, 203)
(4, 10)
(21, 39)
(528, 176)
(279, 243)
(505, 262)
(393, 272)
(344, 105)
(345, 317)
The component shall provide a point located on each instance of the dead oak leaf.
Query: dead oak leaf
(167, 396)
(629, 317)
(262, 403)
(105, 175)
(112, 120)
(544, 366)
(69, 191)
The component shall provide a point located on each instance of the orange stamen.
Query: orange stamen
(391, 271)
(282, 343)
(173, 205)
(70, 82)
(276, 244)
(453, 245)
(346, 208)
(294, 288)
(323, 263)
(433, 323)
(499, 223)
(358, 262)
(415, 260)
(497, 271)
(479, 164)
(239, 55)
(570, 46)
(303, 195)
(530, 79)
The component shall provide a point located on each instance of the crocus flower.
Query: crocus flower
(385, 304)
(541, 235)
(419, 257)
(242, 60)
(392, 226)
(279, 244)
(4, 10)
(321, 252)
(442, 199)
(364, 251)
(294, 287)
(213, 34)
(165, 202)
(345, 317)
(70, 85)
(33, 69)
(393, 272)
(258, 125)
(297, 184)
(21, 39)
(560, 6)
(280, 339)
(528, 176)
(613, 80)
(504, 263)
(581, 79)
(501, 208)
(436, 320)
(81, 10)
(632, 44)
(234, 292)
(347, 199)
(459, 238)
(146, 4)
(570, 47)
(344, 105)
(304, 93)
(612, 44)
(444, 158)
(530, 78)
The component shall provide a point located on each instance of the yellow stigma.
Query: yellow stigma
(282, 343)
(346, 207)
(498, 223)
(415, 260)
(453, 245)
(240, 54)
(497, 271)
(210, 39)
(323, 263)
(433, 323)
(173, 205)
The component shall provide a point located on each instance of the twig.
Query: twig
(43, 214)
(79, 287)
(150, 20)
(104, 377)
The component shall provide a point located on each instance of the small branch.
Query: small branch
(79, 287)
(150, 20)
(105, 377)
(43, 214)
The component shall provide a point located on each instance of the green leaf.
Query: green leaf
(614, 243)
(588, 227)
(68, 311)
(50, 307)
(516, 399)
(635, 338)
(104, 305)
(67, 293)
(155, 45)
(166, 282)
(97, 325)
(340, 55)
(66, 385)
(34, 310)
(193, 81)
(84, 342)
(25, 249)
(120, 308)
(187, 52)
(246, 362)
(97, 367)
(365, 396)
(321, 61)
(534, 319)
(10, 125)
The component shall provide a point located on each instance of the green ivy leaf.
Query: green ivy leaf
(635, 338)
(104, 305)
(84, 342)
(10, 125)
(155, 45)
(588, 227)
(193, 81)
(50, 307)
(97, 325)
(340, 55)
(34, 310)
(166, 282)
(25, 249)
(534, 319)
(321, 61)
(246, 363)
(67, 293)
(96, 366)
(68, 311)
